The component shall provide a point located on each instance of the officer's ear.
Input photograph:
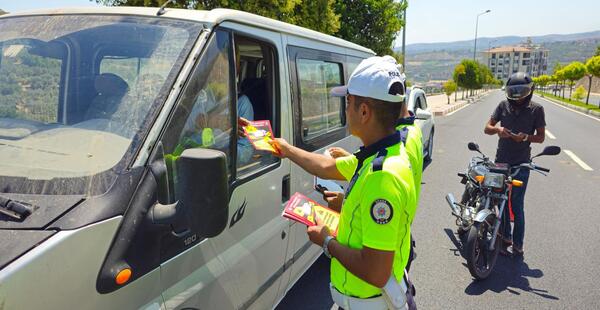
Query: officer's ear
(365, 110)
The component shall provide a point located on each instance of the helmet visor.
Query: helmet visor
(516, 92)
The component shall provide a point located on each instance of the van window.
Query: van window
(255, 70)
(321, 112)
(203, 117)
(29, 83)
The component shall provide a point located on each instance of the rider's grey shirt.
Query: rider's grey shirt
(523, 119)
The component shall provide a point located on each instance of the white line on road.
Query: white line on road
(466, 105)
(550, 135)
(558, 105)
(578, 161)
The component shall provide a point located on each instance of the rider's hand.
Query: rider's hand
(520, 137)
(336, 152)
(334, 200)
(503, 132)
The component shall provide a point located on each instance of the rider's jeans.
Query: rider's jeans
(518, 203)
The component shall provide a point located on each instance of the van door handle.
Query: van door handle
(285, 189)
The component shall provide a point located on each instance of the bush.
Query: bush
(579, 93)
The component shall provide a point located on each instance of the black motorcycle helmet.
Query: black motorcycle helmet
(519, 88)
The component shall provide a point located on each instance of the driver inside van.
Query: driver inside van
(208, 123)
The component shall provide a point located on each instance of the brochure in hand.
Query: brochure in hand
(306, 211)
(260, 133)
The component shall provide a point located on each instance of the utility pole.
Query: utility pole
(404, 40)
(476, 25)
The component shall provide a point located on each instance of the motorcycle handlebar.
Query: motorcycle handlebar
(542, 169)
(531, 166)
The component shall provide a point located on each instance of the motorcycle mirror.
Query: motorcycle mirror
(473, 146)
(549, 150)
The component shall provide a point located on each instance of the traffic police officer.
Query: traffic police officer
(372, 246)
(412, 138)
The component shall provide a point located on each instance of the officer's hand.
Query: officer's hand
(242, 122)
(282, 147)
(503, 132)
(334, 200)
(336, 152)
(317, 234)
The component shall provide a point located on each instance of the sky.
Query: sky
(430, 21)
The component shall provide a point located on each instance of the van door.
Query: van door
(319, 123)
(237, 76)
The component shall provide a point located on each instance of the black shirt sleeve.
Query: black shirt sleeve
(497, 115)
(540, 118)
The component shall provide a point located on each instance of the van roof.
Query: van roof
(211, 18)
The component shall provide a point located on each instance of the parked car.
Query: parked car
(417, 104)
(122, 177)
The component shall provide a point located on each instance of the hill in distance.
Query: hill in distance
(436, 61)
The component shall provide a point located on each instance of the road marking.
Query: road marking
(562, 106)
(550, 135)
(578, 161)
(466, 105)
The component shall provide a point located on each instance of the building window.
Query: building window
(493, 55)
(526, 55)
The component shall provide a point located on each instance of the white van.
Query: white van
(123, 181)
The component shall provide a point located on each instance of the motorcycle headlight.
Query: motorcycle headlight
(495, 180)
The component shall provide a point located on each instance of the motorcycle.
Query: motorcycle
(488, 188)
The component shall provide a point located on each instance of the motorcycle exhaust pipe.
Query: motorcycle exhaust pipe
(452, 202)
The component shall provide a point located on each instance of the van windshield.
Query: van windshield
(78, 93)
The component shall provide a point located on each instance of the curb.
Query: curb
(455, 107)
(573, 107)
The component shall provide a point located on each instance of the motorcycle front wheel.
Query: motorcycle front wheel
(480, 259)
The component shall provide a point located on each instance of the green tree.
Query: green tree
(542, 81)
(449, 88)
(459, 77)
(472, 79)
(597, 51)
(318, 15)
(573, 72)
(593, 69)
(371, 23)
(579, 93)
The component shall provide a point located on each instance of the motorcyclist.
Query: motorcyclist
(521, 122)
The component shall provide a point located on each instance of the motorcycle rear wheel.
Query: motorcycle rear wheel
(480, 259)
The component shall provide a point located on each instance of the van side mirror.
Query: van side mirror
(203, 191)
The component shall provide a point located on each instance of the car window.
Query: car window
(321, 112)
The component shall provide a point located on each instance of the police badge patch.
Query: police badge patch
(381, 211)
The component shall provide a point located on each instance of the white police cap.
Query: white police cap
(373, 78)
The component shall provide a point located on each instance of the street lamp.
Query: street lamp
(476, 25)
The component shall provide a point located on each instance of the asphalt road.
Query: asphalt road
(561, 266)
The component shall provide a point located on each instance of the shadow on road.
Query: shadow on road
(510, 273)
(312, 290)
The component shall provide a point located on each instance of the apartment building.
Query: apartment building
(506, 60)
